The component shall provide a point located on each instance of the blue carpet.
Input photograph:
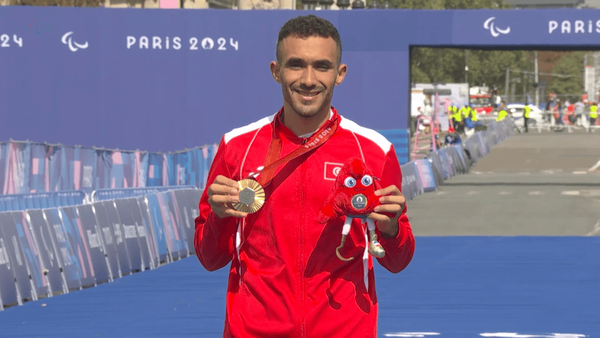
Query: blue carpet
(455, 287)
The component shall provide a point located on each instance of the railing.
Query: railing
(53, 251)
(425, 137)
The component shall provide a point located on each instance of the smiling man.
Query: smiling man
(285, 279)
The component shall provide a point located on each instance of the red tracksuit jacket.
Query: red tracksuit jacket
(285, 279)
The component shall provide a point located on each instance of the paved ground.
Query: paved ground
(455, 287)
(530, 185)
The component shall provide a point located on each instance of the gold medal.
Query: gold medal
(252, 196)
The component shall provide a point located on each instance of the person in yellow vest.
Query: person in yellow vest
(465, 111)
(457, 119)
(451, 112)
(526, 112)
(473, 113)
(593, 114)
(502, 113)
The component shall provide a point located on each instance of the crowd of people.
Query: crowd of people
(464, 119)
(582, 113)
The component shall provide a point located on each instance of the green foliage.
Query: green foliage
(61, 3)
(570, 64)
(434, 4)
(447, 4)
(447, 65)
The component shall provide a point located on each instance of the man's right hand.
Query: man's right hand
(222, 194)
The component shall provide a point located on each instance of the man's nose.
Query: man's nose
(309, 78)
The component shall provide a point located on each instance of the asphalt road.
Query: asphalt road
(535, 184)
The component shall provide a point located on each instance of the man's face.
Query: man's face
(308, 71)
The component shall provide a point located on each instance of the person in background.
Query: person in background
(465, 111)
(526, 112)
(558, 116)
(451, 112)
(593, 116)
(579, 109)
(571, 114)
(457, 120)
(473, 113)
(502, 113)
(494, 95)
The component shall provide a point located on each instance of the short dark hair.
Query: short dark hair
(307, 26)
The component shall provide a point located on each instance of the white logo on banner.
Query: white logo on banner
(576, 26)
(495, 31)
(178, 43)
(73, 46)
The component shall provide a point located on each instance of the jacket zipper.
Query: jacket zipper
(302, 224)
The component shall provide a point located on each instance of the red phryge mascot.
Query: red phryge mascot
(353, 196)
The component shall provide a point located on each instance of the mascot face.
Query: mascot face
(352, 194)
(356, 183)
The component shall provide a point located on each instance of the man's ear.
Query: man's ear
(275, 68)
(342, 69)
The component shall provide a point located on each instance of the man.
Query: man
(457, 120)
(502, 113)
(285, 279)
(465, 111)
(593, 116)
(473, 113)
(452, 112)
(526, 111)
(494, 95)
(579, 109)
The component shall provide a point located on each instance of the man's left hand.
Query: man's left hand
(392, 203)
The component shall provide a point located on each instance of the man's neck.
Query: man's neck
(304, 125)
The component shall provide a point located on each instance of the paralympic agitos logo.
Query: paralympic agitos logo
(490, 25)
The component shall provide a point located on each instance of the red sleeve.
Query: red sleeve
(214, 236)
(399, 250)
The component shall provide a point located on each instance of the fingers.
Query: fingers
(223, 186)
(230, 212)
(379, 217)
(392, 208)
(392, 189)
(222, 194)
(392, 200)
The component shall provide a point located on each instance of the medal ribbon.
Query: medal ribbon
(313, 142)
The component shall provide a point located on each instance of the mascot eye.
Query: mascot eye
(349, 182)
(367, 180)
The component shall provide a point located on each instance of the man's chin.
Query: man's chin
(307, 111)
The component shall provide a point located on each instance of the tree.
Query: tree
(570, 64)
(61, 3)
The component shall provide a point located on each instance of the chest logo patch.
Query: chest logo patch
(332, 170)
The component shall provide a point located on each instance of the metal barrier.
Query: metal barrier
(58, 250)
(110, 194)
(19, 202)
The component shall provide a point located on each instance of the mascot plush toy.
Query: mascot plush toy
(353, 196)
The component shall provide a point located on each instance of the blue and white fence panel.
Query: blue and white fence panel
(29, 167)
(52, 251)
